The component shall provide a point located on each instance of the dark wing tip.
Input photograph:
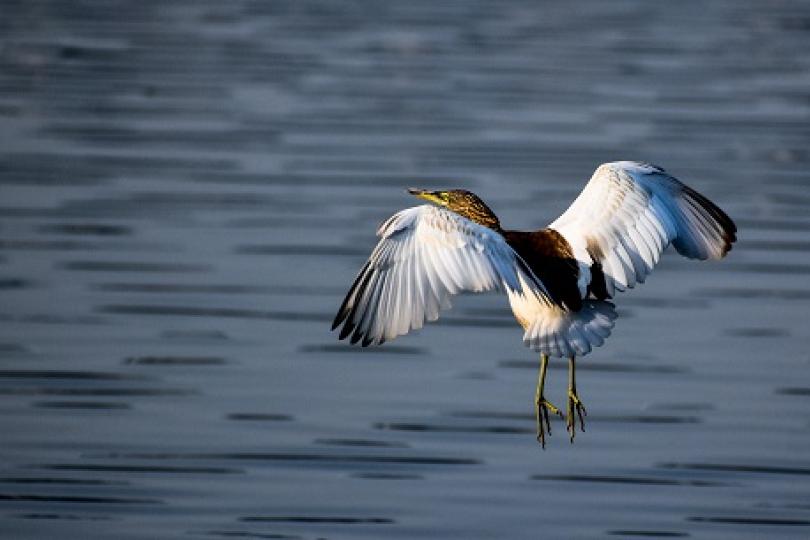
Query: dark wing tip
(727, 226)
(729, 237)
(346, 330)
(347, 306)
(339, 318)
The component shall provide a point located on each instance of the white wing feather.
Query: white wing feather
(427, 254)
(623, 219)
(629, 213)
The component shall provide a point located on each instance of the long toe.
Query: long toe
(575, 410)
(540, 422)
(543, 422)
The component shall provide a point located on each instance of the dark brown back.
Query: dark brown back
(551, 259)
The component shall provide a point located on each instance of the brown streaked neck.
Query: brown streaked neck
(474, 209)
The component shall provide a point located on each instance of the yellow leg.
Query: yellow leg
(574, 403)
(543, 406)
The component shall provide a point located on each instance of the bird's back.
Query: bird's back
(551, 259)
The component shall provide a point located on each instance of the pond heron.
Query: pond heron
(558, 279)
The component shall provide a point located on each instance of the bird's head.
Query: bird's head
(462, 202)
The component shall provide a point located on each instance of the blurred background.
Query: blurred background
(188, 188)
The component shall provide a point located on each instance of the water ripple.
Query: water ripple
(300, 456)
(779, 522)
(175, 360)
(132, 266)
(190, 311)
(161, 469)
(260, 417)
(70, 375)
(87, 405)
(648, 534)
(741, 468)
(86, 229)
(328, 520)
(250, 534)
(75, 499)
(602, 479)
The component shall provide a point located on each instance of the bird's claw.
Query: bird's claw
(575, 409)
(543, 423)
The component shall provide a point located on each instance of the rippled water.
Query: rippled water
(189, 187)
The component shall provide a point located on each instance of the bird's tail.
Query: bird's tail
(561, 333)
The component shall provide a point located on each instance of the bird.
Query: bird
(560, 280)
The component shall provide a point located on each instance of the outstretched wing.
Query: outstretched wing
(425, 255)
(629, 213)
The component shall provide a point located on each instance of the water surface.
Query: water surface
(188, 188)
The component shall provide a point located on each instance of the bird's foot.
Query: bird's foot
(575, 409)
(543, 424)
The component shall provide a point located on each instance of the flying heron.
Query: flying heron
(558, 279)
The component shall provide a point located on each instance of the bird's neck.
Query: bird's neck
(489, 220)
(480, 213)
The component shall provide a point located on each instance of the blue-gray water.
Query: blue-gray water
(188, 188)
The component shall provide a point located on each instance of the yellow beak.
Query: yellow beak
(432, 196)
